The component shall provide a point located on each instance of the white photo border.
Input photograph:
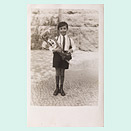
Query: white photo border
(67, 116)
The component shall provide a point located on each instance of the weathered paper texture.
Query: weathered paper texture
(59, 111)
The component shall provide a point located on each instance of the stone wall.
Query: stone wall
(83, 26)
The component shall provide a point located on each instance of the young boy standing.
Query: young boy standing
(67, 45)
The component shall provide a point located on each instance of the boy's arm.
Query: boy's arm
(57, 50)
(54, 49)
(73, 46)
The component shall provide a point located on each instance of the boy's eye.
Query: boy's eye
(63, 28)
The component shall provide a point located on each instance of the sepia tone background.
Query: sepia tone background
(83, 26)
(81, 80)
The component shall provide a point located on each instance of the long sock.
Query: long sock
(57, 86)
(61, 87)
(57, 81)
(61, 80)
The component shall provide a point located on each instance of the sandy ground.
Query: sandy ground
(81, 80)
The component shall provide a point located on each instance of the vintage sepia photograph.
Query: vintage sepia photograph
(65, 55)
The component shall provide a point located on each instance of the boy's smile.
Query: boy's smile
(63, 30)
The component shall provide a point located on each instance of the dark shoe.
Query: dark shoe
(56, 92)
(62, 92)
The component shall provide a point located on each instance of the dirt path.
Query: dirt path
(81, 81)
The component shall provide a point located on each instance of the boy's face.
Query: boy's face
(63, 30)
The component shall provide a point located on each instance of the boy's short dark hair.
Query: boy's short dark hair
(62, 24)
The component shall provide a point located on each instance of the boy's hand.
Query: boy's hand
(70, 51)
(57, 50)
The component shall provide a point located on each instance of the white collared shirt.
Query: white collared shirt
(68, 42)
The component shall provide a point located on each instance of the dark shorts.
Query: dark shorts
(58, 62)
